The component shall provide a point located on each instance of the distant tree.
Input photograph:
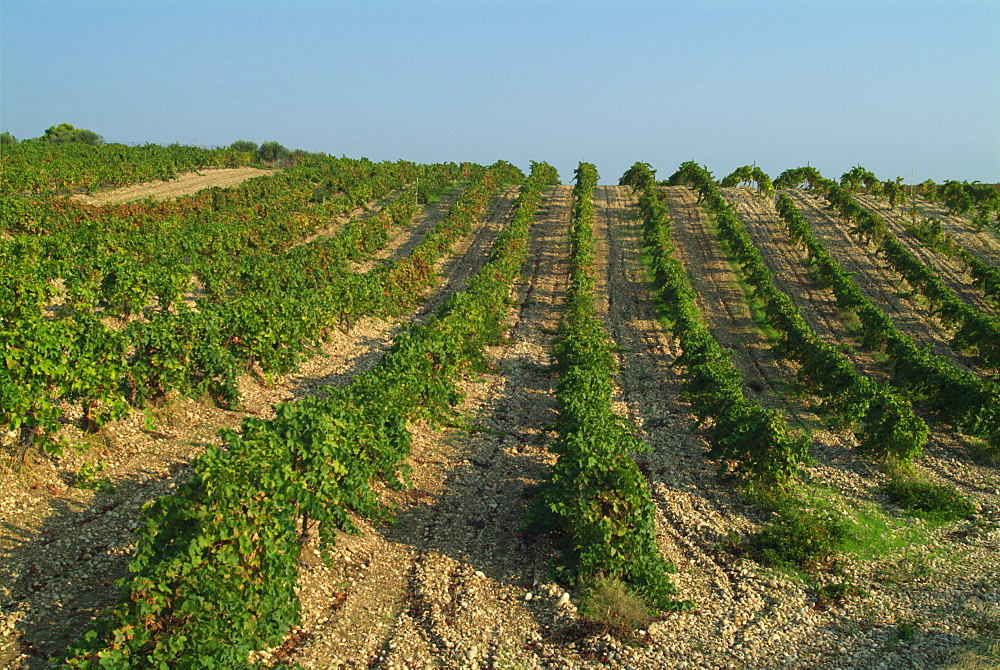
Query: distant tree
(7, 138)
(244, 145)
(65, 133)
(273, 152)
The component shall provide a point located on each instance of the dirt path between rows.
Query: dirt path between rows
(949, 269)
(791, 273)
(184, 184)
(63, 546)
(877, 279)
(473, 252)
(722, 301)
(984, 244)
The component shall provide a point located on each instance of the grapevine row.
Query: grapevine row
(887, 428)
(934, 238)
(34, 167)
(215, 568)
(976, 331)
(596, 501)
(746, 439)
(959, 397)
(52, 362)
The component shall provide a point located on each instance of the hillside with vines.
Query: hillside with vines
(362, 414)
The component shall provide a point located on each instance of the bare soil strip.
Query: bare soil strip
(62, 546)
(184, 184)
(951, 270)
(877, 279)
(791, 272)
(403, 241)
(473, 252)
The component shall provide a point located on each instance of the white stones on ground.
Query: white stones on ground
(563, 599)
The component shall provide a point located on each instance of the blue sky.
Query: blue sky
(899, 87)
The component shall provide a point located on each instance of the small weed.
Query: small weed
(86, 476)
(610, 604)
(834, 595)
(908, 568)
(904, 633)
(733, 544)
(468, 424)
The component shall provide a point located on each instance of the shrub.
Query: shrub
(66, 132)
(797, 537)
(273, 152)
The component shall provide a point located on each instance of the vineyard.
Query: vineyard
(346, 413)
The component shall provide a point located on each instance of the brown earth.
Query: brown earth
(722, 301)
(184, 184)
(984, 244)
(949, 269)
(456, 584)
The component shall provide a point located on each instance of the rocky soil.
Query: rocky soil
(456, 583)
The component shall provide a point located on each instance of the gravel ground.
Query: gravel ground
(456, 584)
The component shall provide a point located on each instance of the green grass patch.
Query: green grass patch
(797, 537)
(939, 503)
(813, 523)
(646, 258)
(849, 319)
(872, 532)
